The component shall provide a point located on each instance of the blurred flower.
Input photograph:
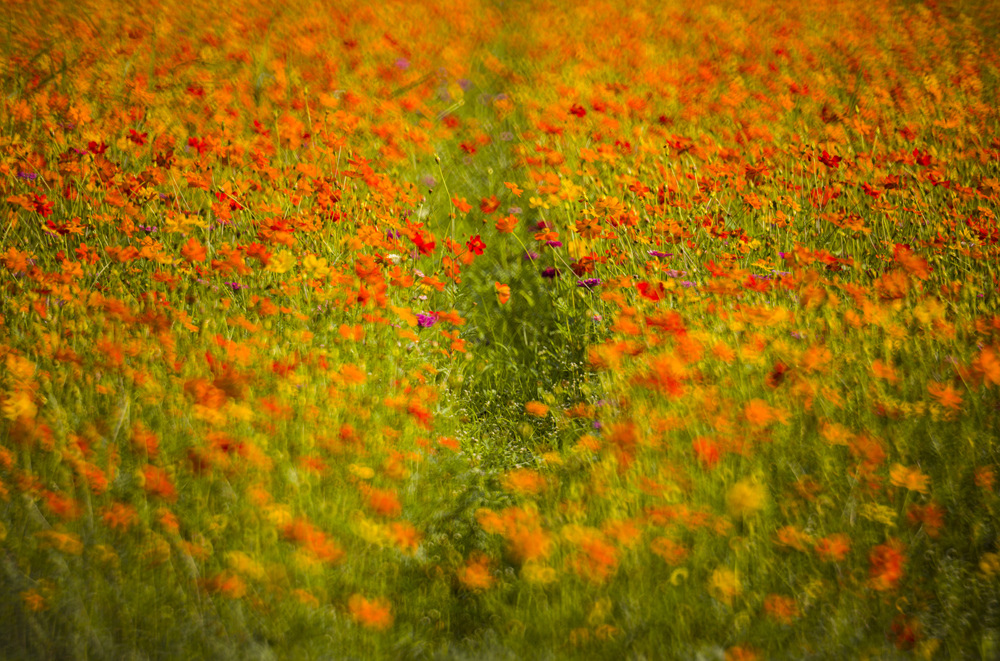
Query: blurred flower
(536, 409)
(833, 548)
(886, 565)
(745, 498)
(475, 574)
(524, 481)
(780, 608)
(34, 600)
(589, 283)
(538, 574)
(426, 320)
(911, 478)
(375, 614)
(705, 451)
(724, 585)
(671, 552)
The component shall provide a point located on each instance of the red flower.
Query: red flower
(476, 245)
(830, 161)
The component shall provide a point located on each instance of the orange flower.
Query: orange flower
(513, 188)
(671, 552)
(884, 371)
(375, 614)
(475, 575)
(985, 477)
(706, 451)
(740, 653)
(886, 565)
(405, 536)
(34, 600)
(792, 537)
(597, 559)
(930, 516)
(384, 502)
(490, 204)
(758, 413)
(194, 251)
(503, 292)
(536, 409)
(833, 548)
(157, 483)
(782, 609)
(506, 224)
(490, 521)
(988, 364)
(120, 517)
(527, 541)
(524, 481)
(947, 396)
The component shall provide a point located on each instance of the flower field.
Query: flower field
(496, 329)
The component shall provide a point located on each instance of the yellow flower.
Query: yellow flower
(911, 478)
(745, 498)
(19, 404)
(282, 262)
(989, 564)
(538, 574)
(724, 585)
(316, 267)
(243, 564)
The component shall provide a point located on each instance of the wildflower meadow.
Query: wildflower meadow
(500, 329)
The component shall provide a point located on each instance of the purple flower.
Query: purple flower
(554, 244)
(589, 283)
(235, 286)
(30, 176)
(465, 84)
(671, 273)
(550, 273)
(657, 253)
(687, 283)
(429, 181)
(426, 320)
(403, 64)
(531, 255)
